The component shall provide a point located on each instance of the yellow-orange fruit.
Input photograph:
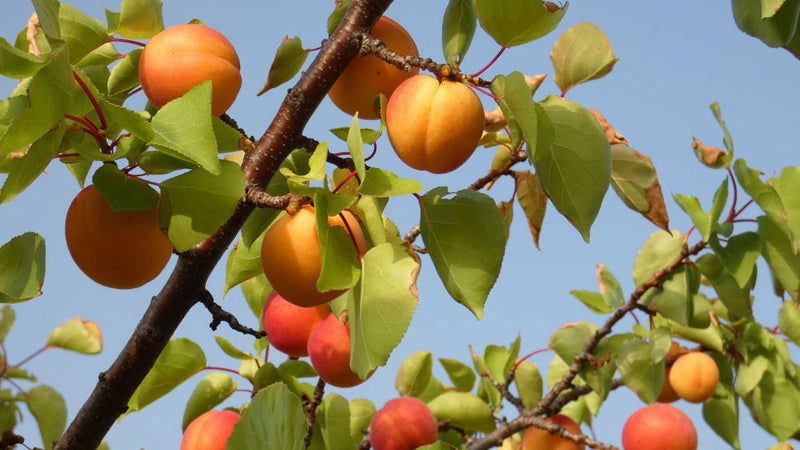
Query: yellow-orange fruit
(329, 352)
(288, 326)
(539, 439)
(292, 259)
(694, 377)
(119, 249)
(209, 431)
(368, 76)
(184, 56)
(434, 126)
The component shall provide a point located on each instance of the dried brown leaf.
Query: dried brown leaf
(533, 201)
(613, 136)
(711, 155)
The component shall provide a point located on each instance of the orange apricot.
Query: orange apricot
(667, 394)
(182, 57)
(659, 424)
(119, 249)
(292, 259)
(694, 377)
(288, 326)
(209, 431)
(539, 439)
(368, 76)
(403, 423)
(329, 351)
(433, 125)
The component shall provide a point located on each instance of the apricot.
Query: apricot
(292, 258)
(288, 326)
(119, 249)
(433, 125)
(667, 394)
(694, 377)
(209, 431)
(329, 351)
(365, 77)
(539, 439)
(184, 56)
(403, 423)
(659, 423)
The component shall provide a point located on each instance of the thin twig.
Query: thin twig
(310, 405)
(503, 388)
(219, 315)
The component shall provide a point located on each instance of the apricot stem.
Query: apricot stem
(92, 128)
(133, 92)
(96, 105)
(496, 57)
(221, 369)
(31, 356)
(484, 92)
(732, 212)
(116, 141)
(127, 41)
(374, 151)
(529, 355)
(352, 238)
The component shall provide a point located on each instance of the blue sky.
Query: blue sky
(675, 59)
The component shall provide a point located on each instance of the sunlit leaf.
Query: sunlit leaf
(77, 335)
(289, 59)
(581, 54)
(274, 419)
(50, 411)
(458, 28)
(22, 268)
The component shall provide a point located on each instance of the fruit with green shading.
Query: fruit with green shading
(367, 76)
(329, 351)
(184, 56)
(292, 259)
(403, 423)
(433, 125)
(209, 431)
(289, 326)
(537, 438)
(694, 377)
(119, 249)
(659, 423)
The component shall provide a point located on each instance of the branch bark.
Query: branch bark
(186, 285)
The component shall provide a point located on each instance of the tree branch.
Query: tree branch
(219, 315)
(185, 286)
(310, 405)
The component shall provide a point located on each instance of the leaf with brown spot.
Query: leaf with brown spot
(614, 136)
(710, 156)
(635, 180)
(533, 201)
(507, 211)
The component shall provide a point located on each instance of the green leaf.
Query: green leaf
(50, 411)
(770, 7)
(674, 297)
(336, 16)
(243, 263)
(77, 335)
(610, 296)
(49, 94)
(639, 372)
(525, 118)
(103, 55)
(47, 12)
(334, 420)
(721, 411)
(458, 29)
(194, 205)
(274, 419)
(125, 73)
(288, 61)
(788, 321)
(735, 298)
(316, 166)
(576, 170)
(228, 138)
(776, 404)
(297, 369)
(130, 120)
(180, 359)
(499, 359)
(515, 22)
(361, 412)
(705, 222)
(183, 129)
(157, 163)
(340, 268)
(22, 268)
(124, 193)
(356, 147)
(775, 31)
(7, 318)
(140, 19)
(462, 376)
(229, 349)
(581, 54)
(568, 341)
(383, 183)
(532, 200)
(414, 374)
(635, 181)
(15, 63)
(212, 390)
(255, 291)
(463, 410)
(465, 236)
(786, 187)
(660, 249)
(81, 32)
(739, 256)
(529, 383)
(380, 306)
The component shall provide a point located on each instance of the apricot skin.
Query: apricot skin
(694, 377)
(434, 126)
(292, 258)
(659, 423)
(329, 351)
(182, 57)
(289, 326)
(367, 76)
(667, 394)
(209, 431)
(539, 439)
(403, 423)
(119, 249)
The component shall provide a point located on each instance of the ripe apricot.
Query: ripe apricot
(292, 258)
(329, 351)
(432, 125)
(288, 326)
(403, 423)
(694, 377)
(667, 394)
(368, 76)
(539, 439)
(659, 424)
(119, 249)
(209, 431)
(182, 57)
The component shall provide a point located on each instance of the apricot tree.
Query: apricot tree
(216, 188)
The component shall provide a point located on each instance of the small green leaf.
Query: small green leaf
(458, 29)
(788, 321)
(660, 249)
(228, 138)
(334, 420)
(721, 411)
(515, 22)
(212, 390)
(525, 118)
(180, 359)
(735, 298)
(7, 318)
(15, 63)
(140, 19)
(274, 419)
(361, 412)
(529, 383)
(81, 32)
(706, 222)
(383, 183)
(463, 410)
(32, 164)
(581, 54)
(288, 61)
(336, 16)
(255, 291)
(125, 73)
(50, 411)
(414, 374)
(124, 193)
(639, 372)
(315, 166)
(786, 187)
(776, 30)
(297, 369)
(356, 147)
(47, 12)
(229, 349)
(569, 340)
(739, 255)
(776, 404)
(243, 263)
(340, 264)
(462, 376)
(77, 335)
(22, 268)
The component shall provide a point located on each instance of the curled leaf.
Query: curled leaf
(708, 155)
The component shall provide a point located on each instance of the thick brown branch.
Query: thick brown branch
(219, 315)
(186, 284)
(262, 199)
